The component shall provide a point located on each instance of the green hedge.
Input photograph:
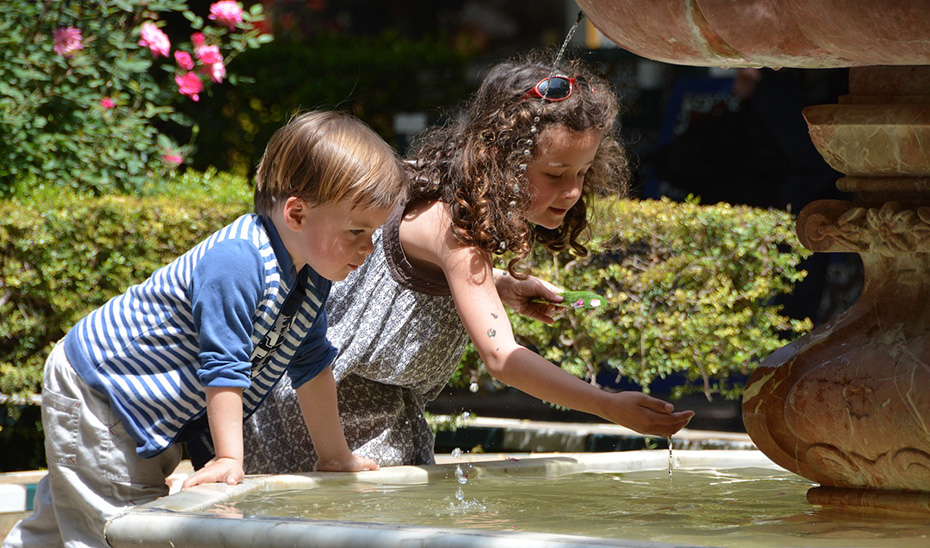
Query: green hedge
(63, 255)
(689, 290)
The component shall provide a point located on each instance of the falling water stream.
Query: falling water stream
(568, 38)
(670, 462)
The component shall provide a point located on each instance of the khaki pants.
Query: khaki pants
(94, 472)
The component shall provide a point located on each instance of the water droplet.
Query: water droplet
(473, 387)
(456, 452)
(492, 333)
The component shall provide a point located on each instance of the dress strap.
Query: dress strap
(402, 271)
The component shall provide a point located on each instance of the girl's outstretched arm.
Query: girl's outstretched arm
(470, 277)
(428, 241)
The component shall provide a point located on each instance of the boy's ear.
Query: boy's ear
(294, 211)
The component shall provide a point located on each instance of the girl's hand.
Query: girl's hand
(519, 294)
(222, 470)
(353, 463)
(645, 414)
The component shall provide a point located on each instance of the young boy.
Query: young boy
(205, 338)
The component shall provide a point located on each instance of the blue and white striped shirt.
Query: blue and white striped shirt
(231, 312)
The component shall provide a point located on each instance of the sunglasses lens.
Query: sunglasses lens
(555, 88)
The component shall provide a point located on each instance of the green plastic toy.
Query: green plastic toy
(578, 300)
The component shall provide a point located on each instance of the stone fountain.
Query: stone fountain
(848, 405)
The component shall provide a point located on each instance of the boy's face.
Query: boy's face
(334, 239)
(556, 175)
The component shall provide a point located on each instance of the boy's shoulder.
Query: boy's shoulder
(245, 236)
(247, 228)
(236, 256)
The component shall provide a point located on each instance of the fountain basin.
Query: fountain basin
(212, 516)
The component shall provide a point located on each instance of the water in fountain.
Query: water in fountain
(741, 507)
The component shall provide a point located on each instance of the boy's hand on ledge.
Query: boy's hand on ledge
(222, 470)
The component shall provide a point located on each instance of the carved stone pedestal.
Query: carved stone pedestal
(848, 405)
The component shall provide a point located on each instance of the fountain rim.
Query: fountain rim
(152, 524)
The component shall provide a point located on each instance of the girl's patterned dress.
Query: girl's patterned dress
(399, 338)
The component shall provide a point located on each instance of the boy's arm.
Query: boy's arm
(320, 409)
(224, 413)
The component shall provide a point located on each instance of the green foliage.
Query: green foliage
(63, 255)
(374, 78)
(688, 289)
(93, 118)
(448, 423)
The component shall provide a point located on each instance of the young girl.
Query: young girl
(513, 168)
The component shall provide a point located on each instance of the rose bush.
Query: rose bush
(87, 89)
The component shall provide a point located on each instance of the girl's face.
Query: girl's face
(556, 175)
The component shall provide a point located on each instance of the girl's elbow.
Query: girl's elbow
(496, 363)
(495, 368)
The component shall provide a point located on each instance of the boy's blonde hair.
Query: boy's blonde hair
(327, 157)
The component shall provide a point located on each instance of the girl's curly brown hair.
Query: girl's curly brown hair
(473, 163)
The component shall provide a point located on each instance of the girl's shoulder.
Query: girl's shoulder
(423, 229)
(427, 236)
(426, 213)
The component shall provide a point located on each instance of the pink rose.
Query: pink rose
(189, 84)
(184, 60)
(67, 41)
(154, 39)
(226, 12)
(107, 103)
(209, 54)
(172, 159)
(216, 71)
(198, 39)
